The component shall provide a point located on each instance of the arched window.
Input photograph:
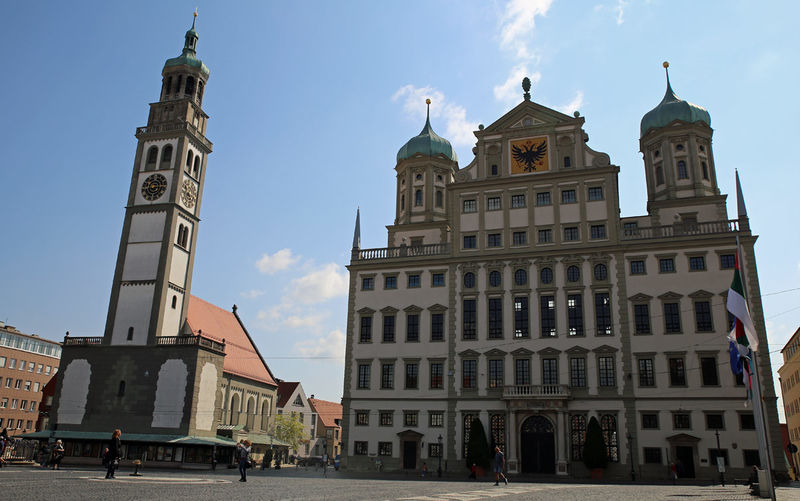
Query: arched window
(189, 160)
(573, 274)
(234, 409)
(168, 87)
(469, 280)
(608, 424)
(659, 175)
(266, 407)
(439, 198)
(418, 198)
(497, 426)
(682, 172)
(546, 276)
(179, 85)
(189, 86)
(520, 277)
(166, 157)
(130, 333)
(174, 301)
(600, 272)
(705, 170)
(121, 389)
(467, 427)
(494, 278)
(577, 435)
(185, 238)
(200, 92)
(152, 158)
(196, 169)
(402, 202)
(180, 235)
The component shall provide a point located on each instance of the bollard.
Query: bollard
(136, 464)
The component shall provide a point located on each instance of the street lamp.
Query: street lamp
(630, 454)
(439, 471)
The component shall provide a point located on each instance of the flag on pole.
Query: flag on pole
(743, 332)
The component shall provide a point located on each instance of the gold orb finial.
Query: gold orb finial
(665, 64)
(427, 101)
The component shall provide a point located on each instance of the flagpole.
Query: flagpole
(758, 408)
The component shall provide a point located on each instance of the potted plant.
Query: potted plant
(478, 452)
(594, 450)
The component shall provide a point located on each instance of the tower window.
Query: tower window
(196, 170)
(152, 158)
(418, 198)
(174, 301)
(130, 333)
(659, 175)
(179, 85)
(121, 389)
(189, 86)
(494, 169)
(702, 148)
(169, 86)
(419, 177)
(567, 162)
(200, 92)
(179, 239)
(705, 170)
(439, 198)
(402, 202)
(682, 172)
(188, 160)
(166, 157)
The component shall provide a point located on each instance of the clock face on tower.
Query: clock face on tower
(154, 186)
(188, 194)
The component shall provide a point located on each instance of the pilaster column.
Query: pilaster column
(513, 442)
(561, 436)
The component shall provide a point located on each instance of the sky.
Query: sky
(309, 103)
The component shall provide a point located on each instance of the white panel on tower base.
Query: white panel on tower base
(74, 390)
(141, 261)
(207, 393)
(172, 316)
(147, 227)
(133, 311)
(170, 395)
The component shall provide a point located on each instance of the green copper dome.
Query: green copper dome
(428, 143)
(673, 108)
(188, 56)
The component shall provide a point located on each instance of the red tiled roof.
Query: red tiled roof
(285, 390)
(328, 412)
(241, 355)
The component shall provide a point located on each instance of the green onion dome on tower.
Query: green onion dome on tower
(427, 143)
(188, 56)
(673, 108)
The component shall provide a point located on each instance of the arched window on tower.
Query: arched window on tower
(189, 86)
(130, 333)
(166, 157)
(174, 301)
(705, 170)
(682, 172)
(659, 175)
(402, 202)
(189, 161)
(199, 92)
(179, 85)
(439, 198)
(196, 170)
(185, 239)
(168, 87)
(179, 239)
(418, 198)
(152, 158)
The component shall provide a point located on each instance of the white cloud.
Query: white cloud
(517, 23)
(572, 106)
(457, 129)
(331, 345)
(510, 91)
(252, 294)
(319, 285)
(302, 321)
(620, 10)
(279, 261)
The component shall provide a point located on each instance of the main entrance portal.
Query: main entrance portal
(537, 446)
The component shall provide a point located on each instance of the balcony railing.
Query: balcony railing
(168, 127)
(536, 391)
(681, 229)
(199, 340)
(404, 251)
(83, 340)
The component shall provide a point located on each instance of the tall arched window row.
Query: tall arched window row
(166, 157)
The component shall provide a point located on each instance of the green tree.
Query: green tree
(289, 429)
(594, 450)
(477, 446)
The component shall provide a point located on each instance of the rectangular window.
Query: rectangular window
(708, 367)
(496, 373)
(367, 284)
(602, 313)
(697, 263)
(386, 418)
(384, 448)
(494, 240)
(517, 201)
(437, 326)
(413, 281)
(550, 371)
(570, 233)
(493, 203)
(666, 265)
(547, 310)
(390, 282)
(14, 403)
(18, 384)
(702, 313)
(2, 362)
(363, 376)
(22, 365)
(437, 375)
(672, 318)
(412, 376)
(681, 421)
(27, 386)
(543, 198)
(412, 328)
(677, 372)
(637, 267)
(387, 376)
(470, 319)
(715, 422)
(388, 328)
(647, 376)
(360, 448)
(606, 367)
(568, 197)
(495, 318)
(747, 421)
(362, 418)
(470, 206)
(577, 372)
(727, 261)
(575, 315)
(652, 455)
(751, 457)
(13, 364)
(470, 242)
(598, 231)
(366, 330)
(519, 238)
(567, 162)
(36, 386)
(436, 419)
(521, 317)
(437, 280)
(650, 421)
(545, 236)
(596, 193)
(522, 371)
(4, 403)
(434, 450)
(39, 369)
(46, 369)
(641, 318)
(469, 368)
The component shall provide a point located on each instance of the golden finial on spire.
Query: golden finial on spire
(665, 64)
(427, 101)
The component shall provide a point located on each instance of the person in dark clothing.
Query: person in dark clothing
(58, 455)
(113, 454)
(243, 455)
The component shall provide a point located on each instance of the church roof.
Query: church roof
(285, 390)
(328, 412)
(673, 108)
(241, 355)
(427, 143)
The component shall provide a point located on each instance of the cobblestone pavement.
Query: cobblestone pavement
(28, 483)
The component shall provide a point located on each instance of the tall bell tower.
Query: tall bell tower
(153, 276)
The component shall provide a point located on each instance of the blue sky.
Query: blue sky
(309, 103)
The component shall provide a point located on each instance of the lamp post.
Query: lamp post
(630, 454)
(439, 470)
(719, 455)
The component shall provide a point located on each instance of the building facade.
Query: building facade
(27, 363)
(789, 374)
(328, 427)
(512, 291)
(292, 401)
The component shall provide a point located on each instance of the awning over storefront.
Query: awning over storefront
(133, 437)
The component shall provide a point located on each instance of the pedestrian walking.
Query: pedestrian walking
(424, 470)
(325, 465)
(113, 454)
(673, 472)
(499, 463)
(3, 444)
(57, 456)
(243, 455)
(473, 472)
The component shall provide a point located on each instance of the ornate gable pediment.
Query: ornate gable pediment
(700, 294)
(522, 352)
(640, 298)
(605, 349)
(412, 309)
(529, 114)
(549, 351)
(670, 296)
(437, 308)
(577, 350)
(494, 352)
(469, 354)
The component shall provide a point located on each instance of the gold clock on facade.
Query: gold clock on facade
(188, 194)
(153, 187)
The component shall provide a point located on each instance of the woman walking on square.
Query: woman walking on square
(58, 455)
(243, 454)
(499, 463)
(113, 453)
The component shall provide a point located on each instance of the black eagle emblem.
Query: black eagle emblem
(530, 155)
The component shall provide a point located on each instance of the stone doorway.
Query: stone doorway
(538, 445)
